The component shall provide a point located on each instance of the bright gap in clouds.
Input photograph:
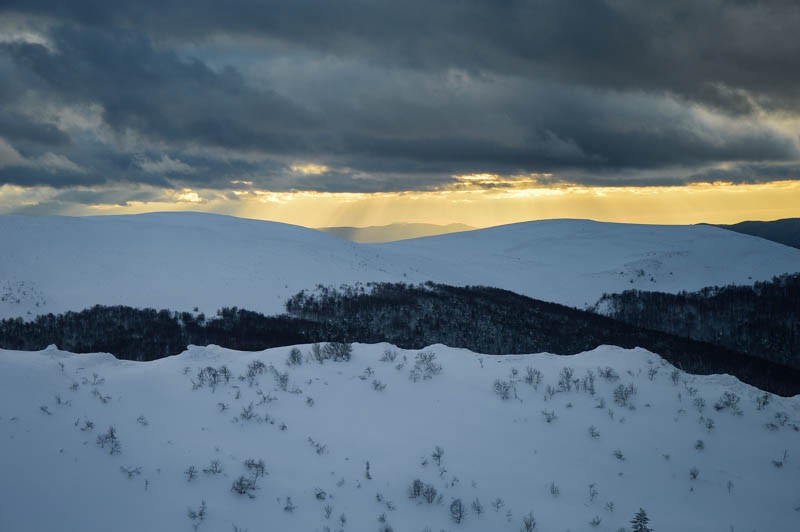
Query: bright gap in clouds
(477, 200)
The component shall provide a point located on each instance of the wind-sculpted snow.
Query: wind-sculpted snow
(91, 443)
(185, 260)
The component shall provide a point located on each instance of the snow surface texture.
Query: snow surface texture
(185, 260)
(317, 428)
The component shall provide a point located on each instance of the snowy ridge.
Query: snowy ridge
(317, 425)
(185, 260)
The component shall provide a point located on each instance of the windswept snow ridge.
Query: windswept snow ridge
(578, 443)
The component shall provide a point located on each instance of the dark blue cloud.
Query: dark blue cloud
(400, 95)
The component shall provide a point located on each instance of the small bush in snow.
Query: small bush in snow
(131, 471)
(623, 394)
(555, 491)
(295, 357)
(779, 463)
(316, 354)
(254, 369)
(281, 379)
(256, 467)
(504, 389)
(592, 492)
(425, 366)
(699, 403)
(337, 351)
(102, 398)
(497, 504)
(640, 521)
(618, 455)
(437, 455)
(762, 401)
(214, 468)
(429, 494)
(608, 373)
(694, 473)
(565, 379)
(378, 386)
(549, 416)
(190, 473)
(588, 382)
(388, 355)
(699, 445)
(244, 486)
(319, 448)
(207, 375)
(528, 523)
(457, 511)
(549, 392)
(197, 516)
(593, 432)
(728, 401)
(110, 441)
(248, 413)
(415, 490)
(289, 506)
(477, 507)
(595, 522)
(533, 377)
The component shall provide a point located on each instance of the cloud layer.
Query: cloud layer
(393, 96)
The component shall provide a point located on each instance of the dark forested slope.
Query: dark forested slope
(490, 320)
(762, 320)
(486, 320)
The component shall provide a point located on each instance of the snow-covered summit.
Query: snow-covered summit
(187, 260)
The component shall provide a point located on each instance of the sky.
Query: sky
(372, 112)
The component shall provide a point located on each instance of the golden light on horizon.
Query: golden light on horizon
(479, 200)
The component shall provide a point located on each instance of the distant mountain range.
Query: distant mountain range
(785, 231)
(389, 233)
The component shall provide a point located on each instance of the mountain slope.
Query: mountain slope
(186, 260)
(785, 231)
(177, 261)
(569, 261)
(595, 458)
(393, 232)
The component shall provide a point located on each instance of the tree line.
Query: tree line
(762, 320)
(482, 319)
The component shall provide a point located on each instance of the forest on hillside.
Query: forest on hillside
(762, 320)
(495, 321)
(482, 319)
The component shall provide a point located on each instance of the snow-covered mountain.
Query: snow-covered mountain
(343, 442)
(186, 260)
(574, 261)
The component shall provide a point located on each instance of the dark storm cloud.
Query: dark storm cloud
(678, 44)
(402, 95)
(154, 92)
